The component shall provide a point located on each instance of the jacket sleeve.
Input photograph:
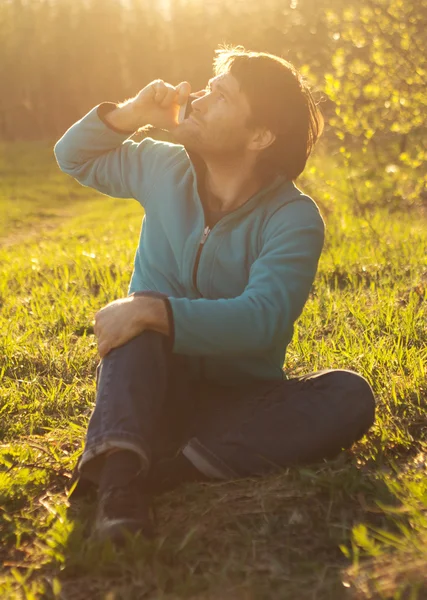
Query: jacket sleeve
(279, 283)
(102, 157)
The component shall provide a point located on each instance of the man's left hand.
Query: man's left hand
(119, 322)
(124, 319)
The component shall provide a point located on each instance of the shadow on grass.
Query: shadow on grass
(275, 537)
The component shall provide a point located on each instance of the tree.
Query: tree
(377, 82)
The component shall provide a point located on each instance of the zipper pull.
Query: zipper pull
(206, 232)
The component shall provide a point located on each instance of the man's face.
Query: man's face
(216, 126)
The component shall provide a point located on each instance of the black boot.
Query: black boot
(123, 505)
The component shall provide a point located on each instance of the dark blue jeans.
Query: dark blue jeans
(147, 402)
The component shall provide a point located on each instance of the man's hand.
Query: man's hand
(124, 319)
(157, 104)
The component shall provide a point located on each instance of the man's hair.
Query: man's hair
(280, 101)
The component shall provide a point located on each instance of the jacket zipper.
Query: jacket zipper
(206, 232)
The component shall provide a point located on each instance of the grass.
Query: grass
(355, 527)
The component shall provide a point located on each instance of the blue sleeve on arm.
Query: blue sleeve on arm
(100, 156)
(279, 284)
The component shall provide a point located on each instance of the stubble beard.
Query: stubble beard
(220, 150)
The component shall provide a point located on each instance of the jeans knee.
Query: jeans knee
(149, 347)
(361, 390)
(148, 339)
(363, 385)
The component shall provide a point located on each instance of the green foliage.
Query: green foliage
(377, 84)
(397, 553)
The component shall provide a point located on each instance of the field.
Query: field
(353, 528)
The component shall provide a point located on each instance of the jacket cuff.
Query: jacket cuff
(171, 323)
(103, 109)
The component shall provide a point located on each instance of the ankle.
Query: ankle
(120, 467)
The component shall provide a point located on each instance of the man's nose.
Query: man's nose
(196, 104)
(200, 93)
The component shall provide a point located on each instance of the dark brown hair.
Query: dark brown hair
(281, 101)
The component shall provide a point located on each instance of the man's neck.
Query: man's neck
(229, 186)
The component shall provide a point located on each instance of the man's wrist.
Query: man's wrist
(121, 119)
(152, 314)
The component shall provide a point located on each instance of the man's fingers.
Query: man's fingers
(184, 90)
(166, 94)
(161, 91)
(169, 99)
(103, 349)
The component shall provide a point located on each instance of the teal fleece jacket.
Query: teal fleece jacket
(234, 299)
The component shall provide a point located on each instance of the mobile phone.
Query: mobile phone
(185, 110)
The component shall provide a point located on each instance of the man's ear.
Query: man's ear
(261, 139)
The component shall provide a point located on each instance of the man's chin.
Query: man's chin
(181, 135)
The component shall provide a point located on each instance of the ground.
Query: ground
(355, 527)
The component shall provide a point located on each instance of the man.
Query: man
(190, 385)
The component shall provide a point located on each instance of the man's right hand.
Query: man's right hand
(158, 104)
